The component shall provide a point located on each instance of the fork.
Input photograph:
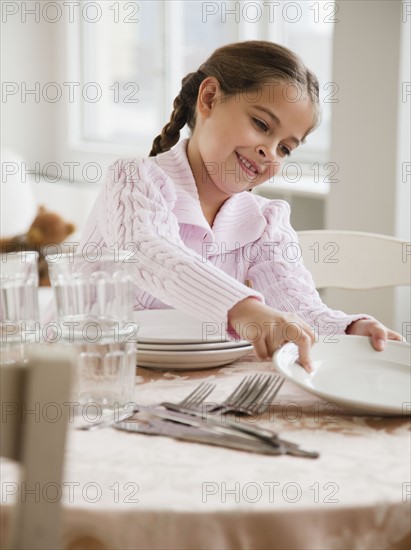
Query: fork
(198, 396)
(252, 396)
(194, 399)
(260, 398)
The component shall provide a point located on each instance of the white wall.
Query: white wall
(27, 57)
(369, 137)
(403, 175)
(32, 127)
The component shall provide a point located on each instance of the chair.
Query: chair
(355, 260)
(33, 432)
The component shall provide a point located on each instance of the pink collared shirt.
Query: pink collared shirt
(152, 207)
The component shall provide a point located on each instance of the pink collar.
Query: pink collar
(238, 222)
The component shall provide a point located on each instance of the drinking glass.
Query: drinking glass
(19, 308)
(94, 304)
(92, 295)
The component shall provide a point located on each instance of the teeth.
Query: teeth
(247, 164)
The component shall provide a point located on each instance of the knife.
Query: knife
(227, 429)
(255, 431)
(265, 435)
(159, 426)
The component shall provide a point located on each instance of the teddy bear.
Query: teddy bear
(48, 228)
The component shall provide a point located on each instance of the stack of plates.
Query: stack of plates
(170, 339)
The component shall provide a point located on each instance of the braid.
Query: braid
(170, 134)
(183, 113)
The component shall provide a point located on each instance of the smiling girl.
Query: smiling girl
(197, 231)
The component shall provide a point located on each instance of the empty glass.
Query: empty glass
(105, 373)
(19, 309)
(93, 297)
(94, 305)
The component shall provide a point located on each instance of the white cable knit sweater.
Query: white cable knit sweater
(152, 207)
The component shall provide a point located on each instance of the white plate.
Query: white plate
(203, 346)
(183, 360)
(174, 327)
(348, 371)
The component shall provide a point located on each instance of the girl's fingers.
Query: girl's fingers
(303, 340)
(379, 337)
(298, 333)
(309, 333)
(292, 332)
(261, 350)
(304, 346)
(391, 335)
(304, 343)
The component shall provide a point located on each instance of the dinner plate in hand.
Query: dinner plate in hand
(161, 326)
(190, 360)
(348, 371)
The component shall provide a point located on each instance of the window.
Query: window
(137, 52)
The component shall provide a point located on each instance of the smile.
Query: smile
(250, 167)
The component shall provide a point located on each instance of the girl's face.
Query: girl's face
(241, 141)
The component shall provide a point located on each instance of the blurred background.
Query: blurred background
(84, 83)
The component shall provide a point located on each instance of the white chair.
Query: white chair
(355, 260)
(33, 432)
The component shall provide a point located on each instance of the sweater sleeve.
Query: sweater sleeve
(282, 278)
(134, 211)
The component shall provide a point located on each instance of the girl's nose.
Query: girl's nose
(267, 153)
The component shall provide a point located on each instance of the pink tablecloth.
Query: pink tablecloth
(124, 491)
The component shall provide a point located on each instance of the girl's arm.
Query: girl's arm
(286, 284)
(293, 306)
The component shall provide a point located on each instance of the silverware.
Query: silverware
(262, 397)
(225, 428)
(111, 417)
(196, 397)
(194, 426)
(159, 426)
(253, 396)
(108, 418)
(266, 436)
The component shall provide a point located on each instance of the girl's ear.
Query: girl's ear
(208, 93)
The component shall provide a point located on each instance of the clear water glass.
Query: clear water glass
(106, 372)
(93, 297)
(94, 307)
(19, 308)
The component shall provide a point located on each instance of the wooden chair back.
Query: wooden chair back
(34, 418)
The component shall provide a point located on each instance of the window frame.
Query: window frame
(78, 146)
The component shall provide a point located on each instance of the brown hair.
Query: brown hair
(239, 67)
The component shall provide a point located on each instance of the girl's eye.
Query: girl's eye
(260, 124)
(285, 150)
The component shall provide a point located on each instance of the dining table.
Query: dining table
(124, 490)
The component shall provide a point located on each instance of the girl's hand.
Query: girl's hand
(378, 332)
(268, 329)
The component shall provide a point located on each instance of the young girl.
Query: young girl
(197, 231)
